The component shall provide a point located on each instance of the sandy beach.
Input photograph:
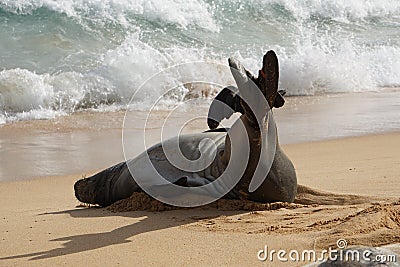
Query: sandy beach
(85, 85)
(41, 225)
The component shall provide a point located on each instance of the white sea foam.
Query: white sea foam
(25, 94)
(3, 119)
(348, 69)
(180, 12)
(341, 10)
(322, 46)
(22, 92)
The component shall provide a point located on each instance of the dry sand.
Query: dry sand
(41, 225)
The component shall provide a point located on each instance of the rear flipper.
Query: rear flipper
(308, 196)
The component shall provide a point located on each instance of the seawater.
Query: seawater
(60, 57)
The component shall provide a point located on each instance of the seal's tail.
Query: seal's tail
(308, 196)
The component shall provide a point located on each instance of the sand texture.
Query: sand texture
(350, 190)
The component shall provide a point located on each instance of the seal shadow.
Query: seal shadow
(152, 221)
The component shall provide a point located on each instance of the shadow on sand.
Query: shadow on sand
(151, 221)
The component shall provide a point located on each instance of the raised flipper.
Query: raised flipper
(223, 106)
(227, 102)
(268, 77)
(279, 100)
(278, 185)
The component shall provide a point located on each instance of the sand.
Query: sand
(41, 224)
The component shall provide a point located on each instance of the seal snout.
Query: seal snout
(84, 191)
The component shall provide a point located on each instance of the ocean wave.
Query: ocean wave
(25, 94)
(179, 12)
(23, 91)
(341, 10)
(59, 57)
(311, 69)
(348, 67)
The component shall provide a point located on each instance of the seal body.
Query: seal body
(275, 180)
(116, 182)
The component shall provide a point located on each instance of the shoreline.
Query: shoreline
(93, 140)
(41, 224)
(290, 149)
(301, 153)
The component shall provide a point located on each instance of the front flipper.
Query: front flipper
(223, 106)
(227, 102)
(279, 100)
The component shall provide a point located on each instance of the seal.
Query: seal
(279, 184)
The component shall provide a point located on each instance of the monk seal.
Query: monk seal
(278, 184)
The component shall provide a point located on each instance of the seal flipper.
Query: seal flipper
(268, 77)
(279, 100)
(227, 102)
(223, 106)
(255, 121)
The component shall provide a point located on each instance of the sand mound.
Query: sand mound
(139, 201)
(143, 202)
(305, 196)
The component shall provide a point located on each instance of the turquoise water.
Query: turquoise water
(60, 57)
